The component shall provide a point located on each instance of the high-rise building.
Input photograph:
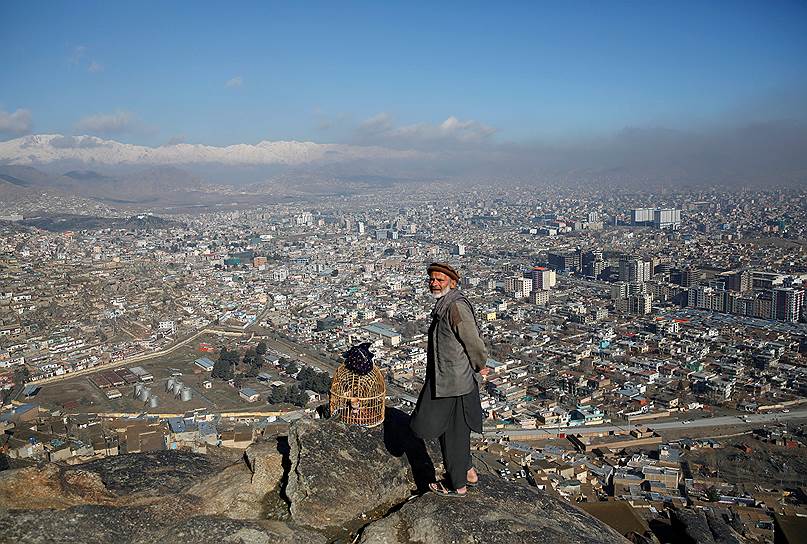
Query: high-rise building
(619, 290)
(542, 278)
(518, 286)
(688, 276)
(641, 304)
(667, 218)
(707, 298)
(632, 269)
(641, 216)
(740, 280)
(787, 303)
(593, 264)
(539, 297)
(564, 262)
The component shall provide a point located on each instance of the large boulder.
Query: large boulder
(495, 512)
(703, 527)
(342, 474)
(248, 489)
(154, 473)
(52, 486)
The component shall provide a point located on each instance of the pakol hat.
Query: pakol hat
(446, 269)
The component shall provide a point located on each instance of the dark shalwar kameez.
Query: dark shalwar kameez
(451, 418)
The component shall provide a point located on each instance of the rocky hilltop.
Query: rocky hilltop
(324, 482)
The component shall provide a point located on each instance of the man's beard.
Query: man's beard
(443, 292)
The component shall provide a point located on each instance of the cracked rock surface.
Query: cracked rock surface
(496, 512)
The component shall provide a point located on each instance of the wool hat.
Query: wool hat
(445, 268)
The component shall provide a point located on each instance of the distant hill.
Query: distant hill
(69, 222)
(139, 186)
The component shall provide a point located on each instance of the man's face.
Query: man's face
(440, 284)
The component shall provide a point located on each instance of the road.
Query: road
(750, 419)
(125, 362)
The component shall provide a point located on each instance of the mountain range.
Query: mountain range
(90, 150)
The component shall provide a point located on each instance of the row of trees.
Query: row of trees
(228, 361)
(314, 380)
(252, 361)
(291, 394)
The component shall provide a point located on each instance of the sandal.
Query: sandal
(439, 488)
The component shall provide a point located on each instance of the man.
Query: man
(449, 407)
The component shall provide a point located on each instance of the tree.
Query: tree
(21, 374)
(305, 376)
(324, 384)
(712, 494)
(250, 357)
(296, 396)
(222, 369)
(261, 348)
(277, 395)
(292, 369)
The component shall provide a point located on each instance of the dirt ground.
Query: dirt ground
(767, 465)
(81, 395)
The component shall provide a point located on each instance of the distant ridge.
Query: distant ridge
(90, 150)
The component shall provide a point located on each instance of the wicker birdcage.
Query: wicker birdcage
(358, 398)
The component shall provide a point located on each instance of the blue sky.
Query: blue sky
(381, 72)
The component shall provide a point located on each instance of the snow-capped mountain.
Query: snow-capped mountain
(50, 148)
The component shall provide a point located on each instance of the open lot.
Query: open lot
(79, 394)
(767, 465)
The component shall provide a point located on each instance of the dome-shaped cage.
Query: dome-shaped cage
(358, 398)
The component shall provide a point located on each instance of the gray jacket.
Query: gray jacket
(456, 350)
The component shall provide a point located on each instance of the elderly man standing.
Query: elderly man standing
(449, 407)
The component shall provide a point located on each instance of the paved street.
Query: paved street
(750, 419)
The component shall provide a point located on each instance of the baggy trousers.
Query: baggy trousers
(446, 418)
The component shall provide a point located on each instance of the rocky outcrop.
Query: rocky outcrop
(496, 512)
(250, 489)
(52, 487)
(325, 482)
(704, 527)
(340, 472)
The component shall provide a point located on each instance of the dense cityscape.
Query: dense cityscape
(644, 347)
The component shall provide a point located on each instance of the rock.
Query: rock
(704, 526)
(91, 524)
(52, 486)
(324, 483)
(266, 462)
(240, 491)
(154, 473)
(229, 493)
(495, 512)
(164, 522)
(339, 472)
(202, 529)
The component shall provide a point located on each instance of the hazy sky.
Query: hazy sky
(397, 73)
